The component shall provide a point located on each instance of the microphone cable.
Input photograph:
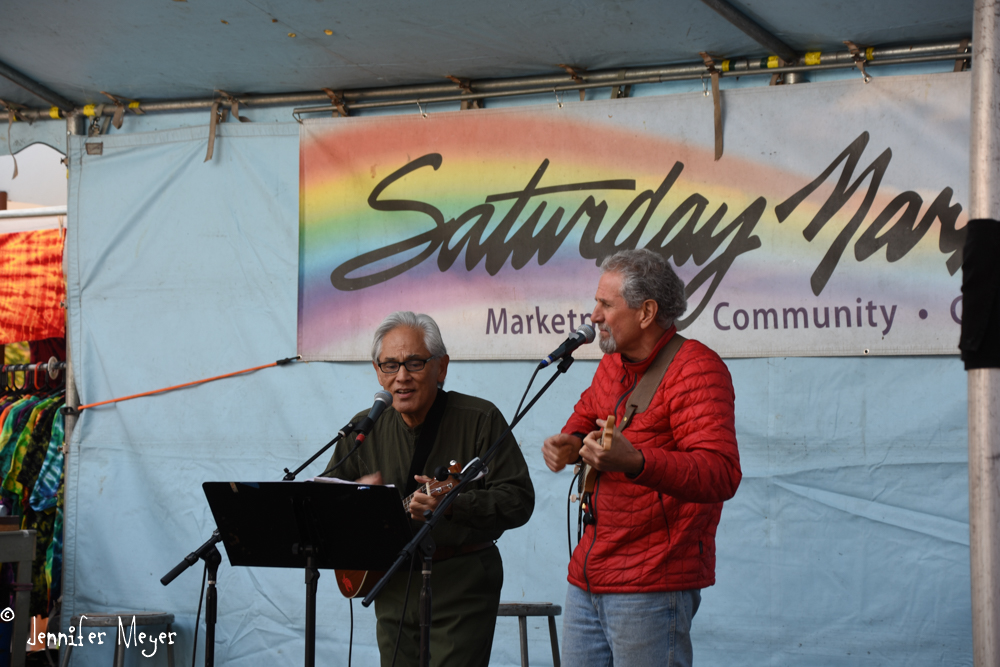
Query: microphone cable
(341, 461)
(402, 616)
(569, 497)
(350, 636)
(525, 394)
(197, 617)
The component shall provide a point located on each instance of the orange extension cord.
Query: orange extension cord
(280, 362)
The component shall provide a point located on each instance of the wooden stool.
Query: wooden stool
(140, 618)
(524, 609)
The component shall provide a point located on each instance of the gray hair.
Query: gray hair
(418, 321)
(647, 275)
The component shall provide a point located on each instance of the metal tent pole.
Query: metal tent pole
(752, 29)
(984, 383)
(34, 87)
(371, 98)
(74, 126)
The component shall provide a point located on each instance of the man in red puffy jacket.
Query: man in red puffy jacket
(648, 547)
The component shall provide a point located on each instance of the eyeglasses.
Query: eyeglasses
(412, 365)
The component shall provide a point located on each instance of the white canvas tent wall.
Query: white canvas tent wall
(194, 284)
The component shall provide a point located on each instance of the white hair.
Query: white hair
(420, 322)
(647, 275)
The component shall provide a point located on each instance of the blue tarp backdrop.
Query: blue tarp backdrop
(847, 543)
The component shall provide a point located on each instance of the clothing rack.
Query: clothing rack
(52, 367)
(36, 377)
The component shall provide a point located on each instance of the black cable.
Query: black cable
(48, 657)
(569, 535)
(525, 394)
(197, 617)
(628, 393)
(341, 461)
(350, 637)
(593, 513)
(402, 616)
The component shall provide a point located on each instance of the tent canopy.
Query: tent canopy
(182, 49)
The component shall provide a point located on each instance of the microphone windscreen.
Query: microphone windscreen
(384, 396)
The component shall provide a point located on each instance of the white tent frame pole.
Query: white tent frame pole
(984, 383)
(74, 126)
(40, 212)
(371, 98)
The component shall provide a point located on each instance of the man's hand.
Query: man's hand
(561, 450)
(421, 502)
(374, 479)
(622, 457)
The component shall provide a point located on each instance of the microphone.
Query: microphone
(584, 334)
(383, 399)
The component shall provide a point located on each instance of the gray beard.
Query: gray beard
(608, 345)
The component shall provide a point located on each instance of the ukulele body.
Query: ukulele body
(358, 583)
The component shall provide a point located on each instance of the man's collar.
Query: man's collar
(639, 367)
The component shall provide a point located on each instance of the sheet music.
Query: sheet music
(337, 480)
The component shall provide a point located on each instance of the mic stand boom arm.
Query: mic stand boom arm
(204, 551)
(210, 554)
(423, 539)
(342, 433)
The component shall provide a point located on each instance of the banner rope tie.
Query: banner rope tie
(213, 121)
(337, 99)
(12, 109)
(860, 58)
(281, 362)
(716, 100)
(122, 104)
(234, 106)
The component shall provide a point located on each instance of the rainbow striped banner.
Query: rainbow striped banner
(832, 225)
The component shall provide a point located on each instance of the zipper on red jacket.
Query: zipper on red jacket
(593, 526)
(597, 485)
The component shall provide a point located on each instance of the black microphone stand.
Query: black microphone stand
(212, 561)
(210, 554)
(422, 540)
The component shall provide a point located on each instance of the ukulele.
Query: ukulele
(588, 474)
(357, 583)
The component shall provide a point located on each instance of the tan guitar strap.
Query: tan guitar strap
(642, 396)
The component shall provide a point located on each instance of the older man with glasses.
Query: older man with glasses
(425, 428)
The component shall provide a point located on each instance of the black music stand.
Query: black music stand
(308, 525)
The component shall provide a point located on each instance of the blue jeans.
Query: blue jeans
(628, 629)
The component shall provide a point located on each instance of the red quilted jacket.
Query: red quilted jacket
(657, 532)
